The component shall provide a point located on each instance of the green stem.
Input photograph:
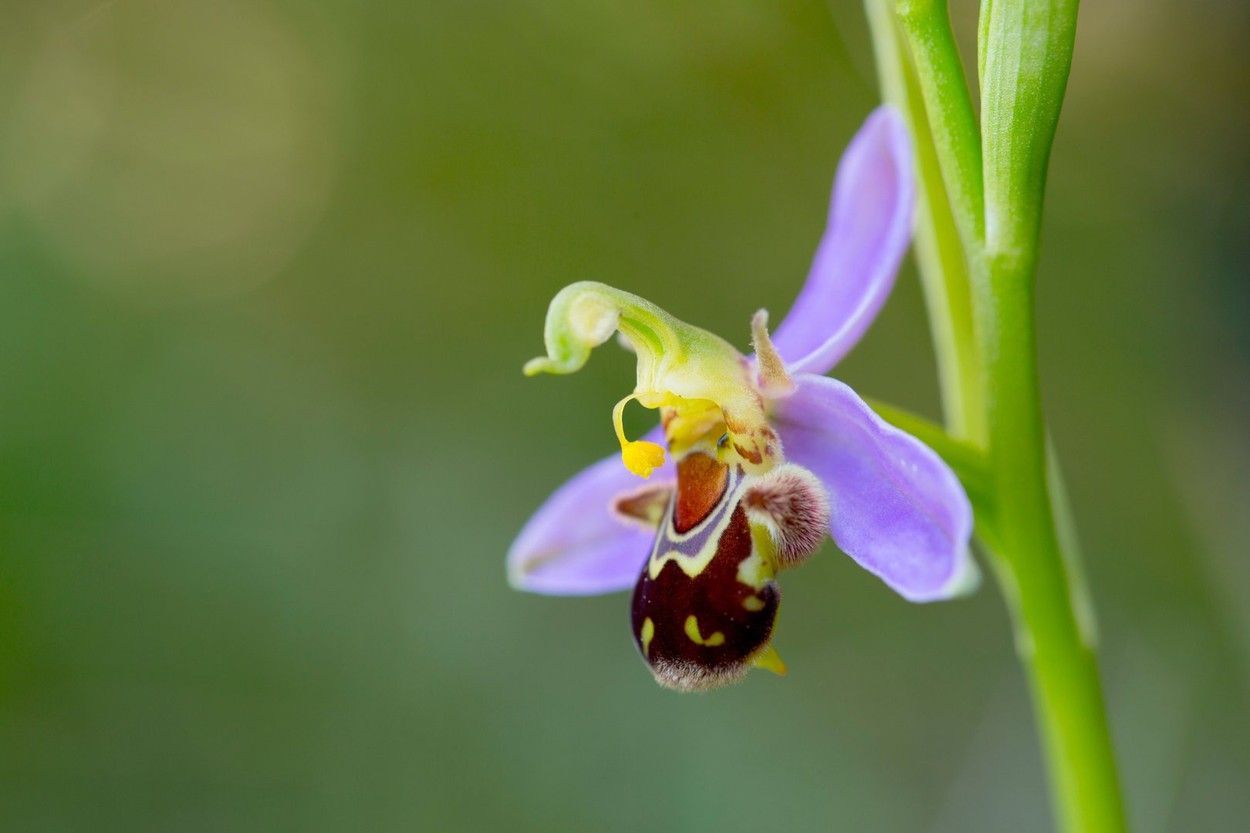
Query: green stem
(1051, 642)
(953, 122)
(985, 184)
(939, 252)
(1025, 56)
(1025, 51)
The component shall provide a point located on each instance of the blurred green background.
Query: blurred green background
(268, 272)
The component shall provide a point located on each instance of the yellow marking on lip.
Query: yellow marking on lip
(753, 603)
(692, 566)
(760, 567)
(692, 631)
(648, 633)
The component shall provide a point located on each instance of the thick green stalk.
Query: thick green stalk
(1043, 593)
(952, 121)
(992, 181)
(1025, 53)
(1025, 57)
(939, 251)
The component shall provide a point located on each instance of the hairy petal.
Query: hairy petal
(576, 544)
(896, 508)
(869, 228)
(793, 506)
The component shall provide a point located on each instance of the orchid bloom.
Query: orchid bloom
(765, 452)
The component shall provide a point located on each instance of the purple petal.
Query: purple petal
(868, 231)
(897, 509)
(575, 545)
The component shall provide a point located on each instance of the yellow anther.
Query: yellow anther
(640, 456)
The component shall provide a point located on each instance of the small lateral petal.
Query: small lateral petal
(644, 506)
(792, 504)
(771, 377)
(576, 544)
(896, 507)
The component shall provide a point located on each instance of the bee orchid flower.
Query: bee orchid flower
(765, 454)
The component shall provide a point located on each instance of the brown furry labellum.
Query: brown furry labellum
(704, 607)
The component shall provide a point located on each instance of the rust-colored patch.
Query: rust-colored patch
(701, 482)
(749, 454)
(646, 505)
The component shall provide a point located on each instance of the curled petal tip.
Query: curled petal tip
(580, 317)
(538, 365)
(679, 366)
